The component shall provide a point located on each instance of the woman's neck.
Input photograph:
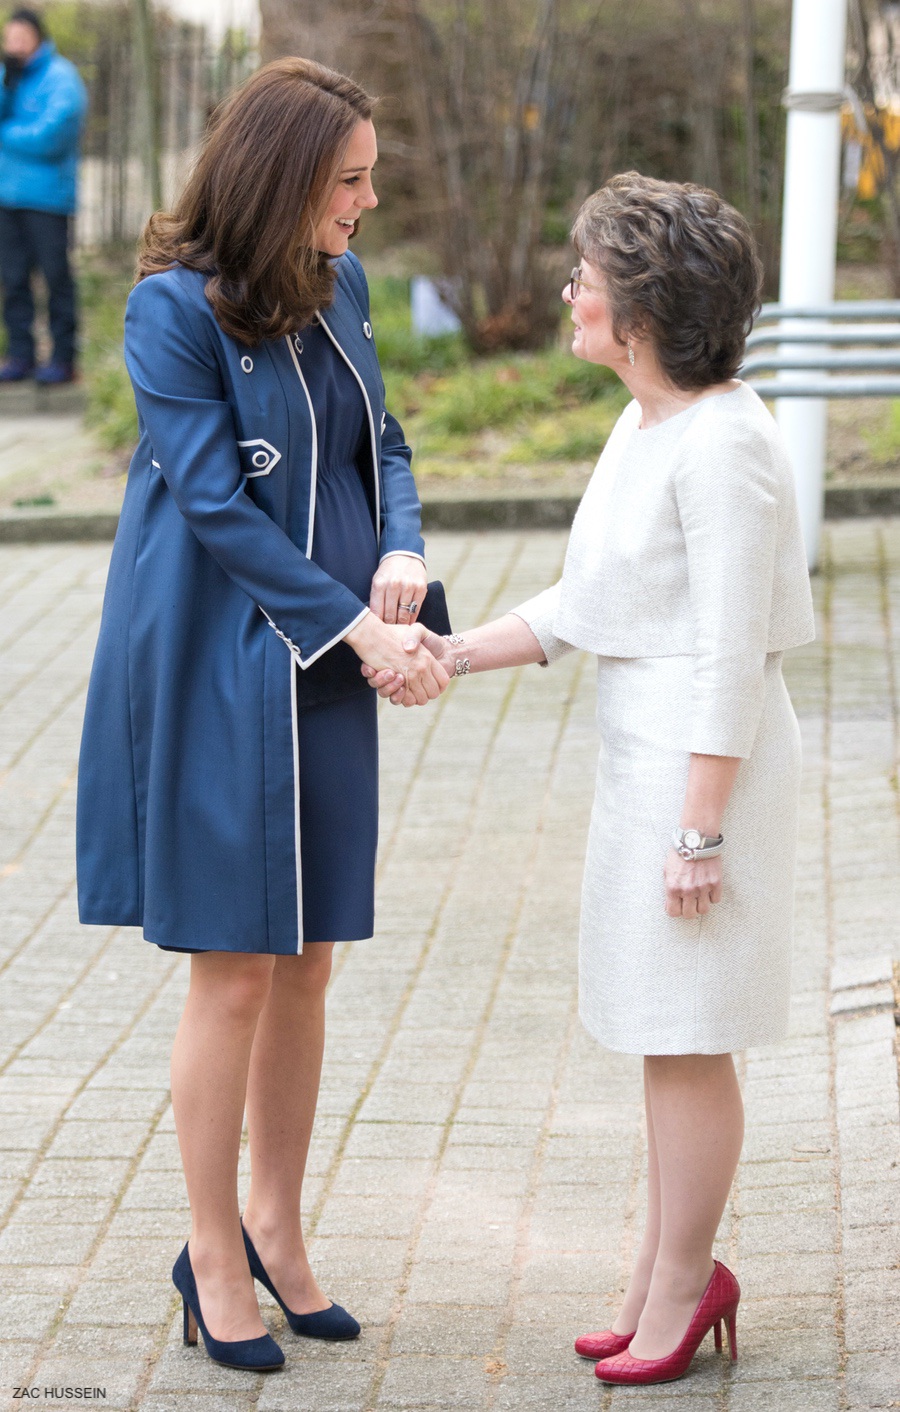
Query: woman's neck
(658, 398)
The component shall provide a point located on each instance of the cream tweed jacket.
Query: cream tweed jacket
(687, 542)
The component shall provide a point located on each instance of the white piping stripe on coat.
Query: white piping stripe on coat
(315, 450)
(298, 864)
(338, 638)
(375, 466)
(314, 463)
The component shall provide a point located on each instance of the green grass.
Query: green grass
(539, 407)
(103, 287)
(884, 440)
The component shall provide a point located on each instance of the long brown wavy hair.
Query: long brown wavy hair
(248, 214)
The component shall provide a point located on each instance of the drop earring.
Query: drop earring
(630, 353)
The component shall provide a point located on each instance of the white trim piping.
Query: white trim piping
(298, 866)
(295, 650)
(315, 447)
(339, 638)
(375, 465)
(406, 553)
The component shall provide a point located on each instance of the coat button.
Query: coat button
(247, 364)
(367, 329)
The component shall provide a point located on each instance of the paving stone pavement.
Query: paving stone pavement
(476, 1180)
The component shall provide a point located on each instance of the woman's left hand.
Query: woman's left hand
(399, 580)
(692, 888)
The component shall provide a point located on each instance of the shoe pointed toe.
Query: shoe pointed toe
(604, 1344)
(257, 1355)
(333, 1323)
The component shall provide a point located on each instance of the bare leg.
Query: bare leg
(283, 1089)
(636, 1294)
(210, 1060)
(698, 1124)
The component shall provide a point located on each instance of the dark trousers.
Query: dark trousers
(31, 240)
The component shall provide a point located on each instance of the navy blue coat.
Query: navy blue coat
(188, 811)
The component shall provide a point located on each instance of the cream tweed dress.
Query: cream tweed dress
(685, 574)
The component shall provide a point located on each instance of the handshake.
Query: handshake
(409, 665)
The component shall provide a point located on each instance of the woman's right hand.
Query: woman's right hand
(692, 887)
(391, 684)
(380, 646)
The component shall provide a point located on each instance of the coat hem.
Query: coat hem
(97, 915)
(253, 951)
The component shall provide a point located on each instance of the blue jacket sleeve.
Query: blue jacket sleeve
(54, 132)
(181, 402)
(401, 511)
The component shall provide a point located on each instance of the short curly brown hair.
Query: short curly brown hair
(681, 269)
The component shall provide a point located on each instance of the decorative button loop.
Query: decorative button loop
(247, 364)
(367, 329)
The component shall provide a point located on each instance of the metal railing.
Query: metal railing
(869, 331)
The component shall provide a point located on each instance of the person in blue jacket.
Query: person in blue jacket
(42, 107)
(269, 543)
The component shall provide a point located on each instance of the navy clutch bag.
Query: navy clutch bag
(337, 674)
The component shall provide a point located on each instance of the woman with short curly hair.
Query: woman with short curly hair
(686, 577)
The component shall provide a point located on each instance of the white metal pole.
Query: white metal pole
(809, 230)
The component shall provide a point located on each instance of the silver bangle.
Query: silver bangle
(463, 664)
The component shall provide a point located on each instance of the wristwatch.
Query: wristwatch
(692, 844)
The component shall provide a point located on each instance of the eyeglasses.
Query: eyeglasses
(576, 283)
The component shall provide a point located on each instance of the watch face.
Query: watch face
(692, 839)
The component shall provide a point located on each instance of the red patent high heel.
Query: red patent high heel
(720, 1301)
(602, 1345)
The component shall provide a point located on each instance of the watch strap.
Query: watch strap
(691, 844)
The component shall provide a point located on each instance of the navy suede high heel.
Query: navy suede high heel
(257, 1355)
(333, 1323)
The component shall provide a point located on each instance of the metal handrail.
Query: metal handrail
(774, 388)
(844, 309)
(851, 335)
(813, 361)
(805, 359)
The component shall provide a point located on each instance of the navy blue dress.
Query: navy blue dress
(338, 741)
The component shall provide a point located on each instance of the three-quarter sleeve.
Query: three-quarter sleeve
(181, 403)
(728, 506)
(540, 614)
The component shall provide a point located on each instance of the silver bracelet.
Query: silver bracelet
(463, 664)
(692, 844)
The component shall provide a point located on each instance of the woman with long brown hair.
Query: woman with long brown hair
(269, 541)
